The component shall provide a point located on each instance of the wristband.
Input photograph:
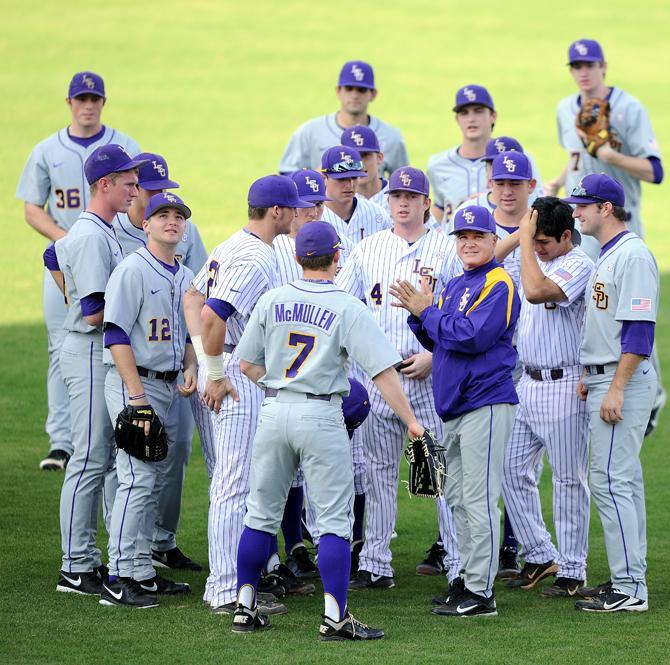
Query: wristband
(215, 370)
(196, 341)
(131, 398)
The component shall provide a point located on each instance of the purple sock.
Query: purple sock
(291, 524)
(359, 516)
(252, 555)
(509, 539)
(334, 566)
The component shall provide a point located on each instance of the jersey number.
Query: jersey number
(212, 272)
(307, 343)
(68, 198)
(575, 160)
(376, 294)
(159, 330)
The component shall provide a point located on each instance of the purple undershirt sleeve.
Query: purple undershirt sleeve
(223, 309)
(50, 258)
(658, 169)
(92, 304)
(115, 335)
(637, 337)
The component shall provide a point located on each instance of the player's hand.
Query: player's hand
(582, 390)
(411, 299)
(190, 382)
(552, 187)
(606, 153)
(419, 366)
(144, 424)
(611, 408)
(216, 391)
(528, 224)
(415, 430)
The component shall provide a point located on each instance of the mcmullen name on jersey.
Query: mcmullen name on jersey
(319, 317)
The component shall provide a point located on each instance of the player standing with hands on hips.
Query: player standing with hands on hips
(294, 346)
(619, 385)
(470, 334)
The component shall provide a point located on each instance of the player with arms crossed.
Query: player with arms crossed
(619, 385)
(54, 177)
(298, 346)
(355, 90)
(146, 334)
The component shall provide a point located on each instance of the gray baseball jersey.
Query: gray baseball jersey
(144, 299)
(624, 287)
(87, 255)
(54, 174)
(314, 137)
(367, 218)
(631, 124)
(289, 269)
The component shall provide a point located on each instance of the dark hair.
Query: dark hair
(256, 213)
(553, 216)
(316, 262)
(618, 212)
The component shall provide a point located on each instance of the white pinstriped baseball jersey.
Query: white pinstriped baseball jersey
(368, 218)
(381, 198)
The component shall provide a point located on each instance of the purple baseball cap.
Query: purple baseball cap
(166, 200)
(597, 188)
(355, 406)
(500, 144)
(474, 218)
(409, 179)
(341, 161)
(109, 158)
(86, 83)
(585, 50)
(316, 239)
(473, 94)
(275, 190)
(154, 174)
(311, 185)
(358, 74)
(361, 138)
(511, 165)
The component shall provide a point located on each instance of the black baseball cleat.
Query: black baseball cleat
(433, 564)
(531, 574)
(366, 580)
(174, 559)
(563, 587)
(595, 591)
(281, 581)
(266, 604)
(456, 586)
(300, 563)
(127, 592)
(56, 460)
(164, 587)
(613, 601)
(356, 549)
(102, 572)
(508, 563)
(247, 621)
(348, 628)
(467, 604)
(85, 584)
(656, 412)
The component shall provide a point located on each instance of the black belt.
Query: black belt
(536, 374)
(161, 376)
(229, 348)
(595, 369)
(273, 392)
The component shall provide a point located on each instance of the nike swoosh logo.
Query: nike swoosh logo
(153, 587)
(462, 610)
(115, 595)
(75, 582)
(154, 292)
(646, 372)
(55, 166)
(160, 556)
(116, 253)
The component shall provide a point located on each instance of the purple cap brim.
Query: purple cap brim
(457, 108)
(183, 209)
(582, 199)
(586, 58)
(345, 174)
(316, 198)
(474, 227)
(407, 189)
(510, 176)
(155, 185)
(132, 164)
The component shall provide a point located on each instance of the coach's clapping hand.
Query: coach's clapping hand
(411, 299)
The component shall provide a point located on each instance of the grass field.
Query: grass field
(218, 87)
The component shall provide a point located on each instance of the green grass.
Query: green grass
(218, 88)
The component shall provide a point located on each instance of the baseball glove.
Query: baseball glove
(593, 120)
(427, 467)
(131, 438)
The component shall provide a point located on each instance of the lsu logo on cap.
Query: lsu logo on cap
(160, 168)
(312, 184)
(470, 94)
(356, 137)
(88, 81)
(346, 158)
(509, 164)
(469, 217)
(582, 49)
(499, 145)
(406, 179)
(170, 198)
(358, 73)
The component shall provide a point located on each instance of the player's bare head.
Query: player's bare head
(475, 231)
(317, 247)
(599, 202)
(165, 219)
(356, 87)
(512, 181)
(556, 233)
(587, 64)
(475, 113)
(409, 196)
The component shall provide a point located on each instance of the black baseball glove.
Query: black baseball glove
(131, 438)
(427, 467)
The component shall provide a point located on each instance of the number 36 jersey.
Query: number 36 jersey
(305, 334)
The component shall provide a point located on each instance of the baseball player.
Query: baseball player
(412, 252)
(146, 334)
(54, 190)
(353, 216)
(355, 90)
(470, 334)
(553, 278)
(235, 275)
(619, 384)
(297, 346)
(153, 178)
(459, 173)
(81, 263)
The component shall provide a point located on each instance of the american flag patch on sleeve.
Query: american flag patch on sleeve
(563, 274)
(640, 304)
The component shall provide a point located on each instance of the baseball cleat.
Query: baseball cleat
(563, 587)
(531, 574)
(127, 592)
(467, 604)
(433, 563)
(300, 563)
(508, 563)
(348, 628)
(102, 572)
(282, 581)
(174, 559)
(165, 587)
(659, 403)
(355, 557)
(595, 591)
(613, 601)
(366, 580)
(456, 586)
(246, 620)
(56, 460)
(266, 604)
(85, 584)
